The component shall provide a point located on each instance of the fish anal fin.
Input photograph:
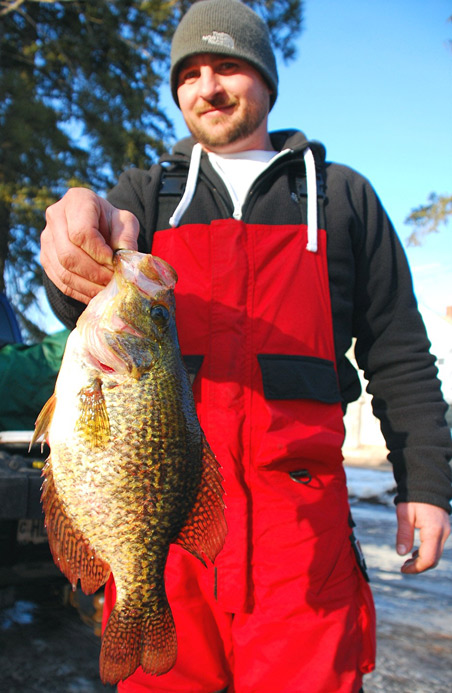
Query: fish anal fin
(205, 530)
(71, 552)
(44, 420)
(93, 423)
(135, 637)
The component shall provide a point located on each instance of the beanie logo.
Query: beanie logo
(219, 38)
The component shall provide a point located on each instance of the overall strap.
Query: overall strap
(172, 187)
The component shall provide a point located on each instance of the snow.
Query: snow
(371, 485)
(21, 613)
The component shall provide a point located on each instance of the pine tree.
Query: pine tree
(79, 103)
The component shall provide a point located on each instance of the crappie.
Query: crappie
(129, 470)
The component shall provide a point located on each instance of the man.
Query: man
(268, 302)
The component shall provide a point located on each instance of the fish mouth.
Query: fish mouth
(102, 367)
(148, 273)
(103, 346)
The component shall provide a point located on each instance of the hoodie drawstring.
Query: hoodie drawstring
(190, 188)
(311, 182)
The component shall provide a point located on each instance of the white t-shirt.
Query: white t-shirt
(239, 171)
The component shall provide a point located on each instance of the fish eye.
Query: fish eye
(160, 315)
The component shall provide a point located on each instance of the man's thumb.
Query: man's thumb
(405, 530)
(124, 229)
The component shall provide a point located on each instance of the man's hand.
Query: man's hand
(434, 526)
(77, 244)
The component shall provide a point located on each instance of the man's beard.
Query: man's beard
(238, 130)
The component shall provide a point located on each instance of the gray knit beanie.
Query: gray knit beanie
(228, 27)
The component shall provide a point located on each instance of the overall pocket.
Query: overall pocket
(299, 415)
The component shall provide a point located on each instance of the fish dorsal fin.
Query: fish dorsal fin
(44, 420)
(93, 423)
(205, 530)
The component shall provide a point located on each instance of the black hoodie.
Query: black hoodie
(371, 292)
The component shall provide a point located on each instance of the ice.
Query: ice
(375, 485)
(21, 613)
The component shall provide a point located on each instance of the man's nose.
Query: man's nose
(209, 84)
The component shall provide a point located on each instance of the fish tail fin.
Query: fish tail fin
(133, 637)
(159, 643)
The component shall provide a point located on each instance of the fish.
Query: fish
(130, 470)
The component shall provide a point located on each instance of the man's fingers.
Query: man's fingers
(76, 220)
(424, 558)
(434, 526)
(71, 284)
(93, 225)
(62, 269)
(79, 240)
(124, 230)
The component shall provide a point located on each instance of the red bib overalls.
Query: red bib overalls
(286, 608)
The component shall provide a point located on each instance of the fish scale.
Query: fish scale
(130, 470)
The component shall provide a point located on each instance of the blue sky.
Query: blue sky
(373, 82)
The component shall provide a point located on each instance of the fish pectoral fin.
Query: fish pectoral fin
(205, 530)
(44, 420)
(93, 423)
(135, 637)
(71, 552)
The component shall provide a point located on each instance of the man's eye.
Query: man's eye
(188, 76)
(227, 67)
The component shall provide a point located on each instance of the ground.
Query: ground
(45, 647)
